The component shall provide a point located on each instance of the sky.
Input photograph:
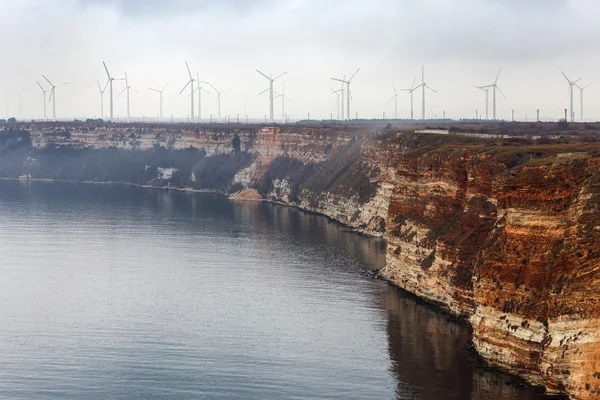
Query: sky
(460, 43)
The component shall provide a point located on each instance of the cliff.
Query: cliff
(503, 233)
(509, 238)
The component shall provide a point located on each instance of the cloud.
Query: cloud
(162, 8)
(461, 43)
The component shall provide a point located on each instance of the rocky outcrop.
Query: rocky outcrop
(509, 238)
(501, 232)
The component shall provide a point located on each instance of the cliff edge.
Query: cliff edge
(503, 232)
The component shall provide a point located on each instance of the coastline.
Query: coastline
(512, 378)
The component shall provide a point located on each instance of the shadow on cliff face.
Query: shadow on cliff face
(429, 350)
(343, 173)
(187, 167)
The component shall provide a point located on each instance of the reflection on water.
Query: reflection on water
(121, 292)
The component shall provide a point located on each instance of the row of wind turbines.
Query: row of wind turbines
(197, 86)
(486, 88)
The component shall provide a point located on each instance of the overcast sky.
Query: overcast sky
(461, 43)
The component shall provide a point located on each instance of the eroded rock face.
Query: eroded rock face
(506, 236)
(510, 239)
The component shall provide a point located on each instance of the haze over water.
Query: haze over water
(126, 293)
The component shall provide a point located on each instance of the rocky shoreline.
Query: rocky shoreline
(501, 233)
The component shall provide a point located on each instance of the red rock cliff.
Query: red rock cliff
(509, 238)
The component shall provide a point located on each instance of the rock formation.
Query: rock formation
(503, 233)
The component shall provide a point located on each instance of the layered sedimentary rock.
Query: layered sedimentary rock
(505, 234)
(508, 237)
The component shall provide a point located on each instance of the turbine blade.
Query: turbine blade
(126, 81)
(566, 77)
(588, 85)
(430, 88)
(497, 76)
(577, 80)
(189, 72)
(501, 92)
(155, 90)
(339, 80)
(263, 75)
(134, 90)
(413, 84)
(163, 89)
(48, 80)
(45, 91)
(350, 80)
(394, 86)
(99, 87)
(185, 87)
(390, 100)
(106, 69)
(264, 91)
(119, 95)
(215, 89)
(280, 75)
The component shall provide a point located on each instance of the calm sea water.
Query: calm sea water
(113, 292)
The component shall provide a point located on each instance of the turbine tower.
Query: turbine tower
(160, 92)
(111, 79)
(338, 93)
(395, 98)
(495, 87)
(581, 89)
(199, 89)
(127, 88)
(424, 86)
(218, 99)
(53, 95)
(190, 83)
(102, 98)
(283, 98)
(411, 91)
(271, 92)
(348, 93)
(43, 98)
(571, 84)
(486, 89)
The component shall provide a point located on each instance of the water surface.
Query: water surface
(114, 292)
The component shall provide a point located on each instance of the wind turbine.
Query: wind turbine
(395, 98)
(127, 88)
(199, 90)
(190, 82)
(495, 87)
(101, 97)
(411, 91)
(339, 93)
(486, 89)
(270, 90)
(571, 84)
(43, 98)
(218, 99)
(111, 79)
(53, 95)
(160, 92)
(581, 89)
(283, 97)
(348, 93)
(424, 86)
